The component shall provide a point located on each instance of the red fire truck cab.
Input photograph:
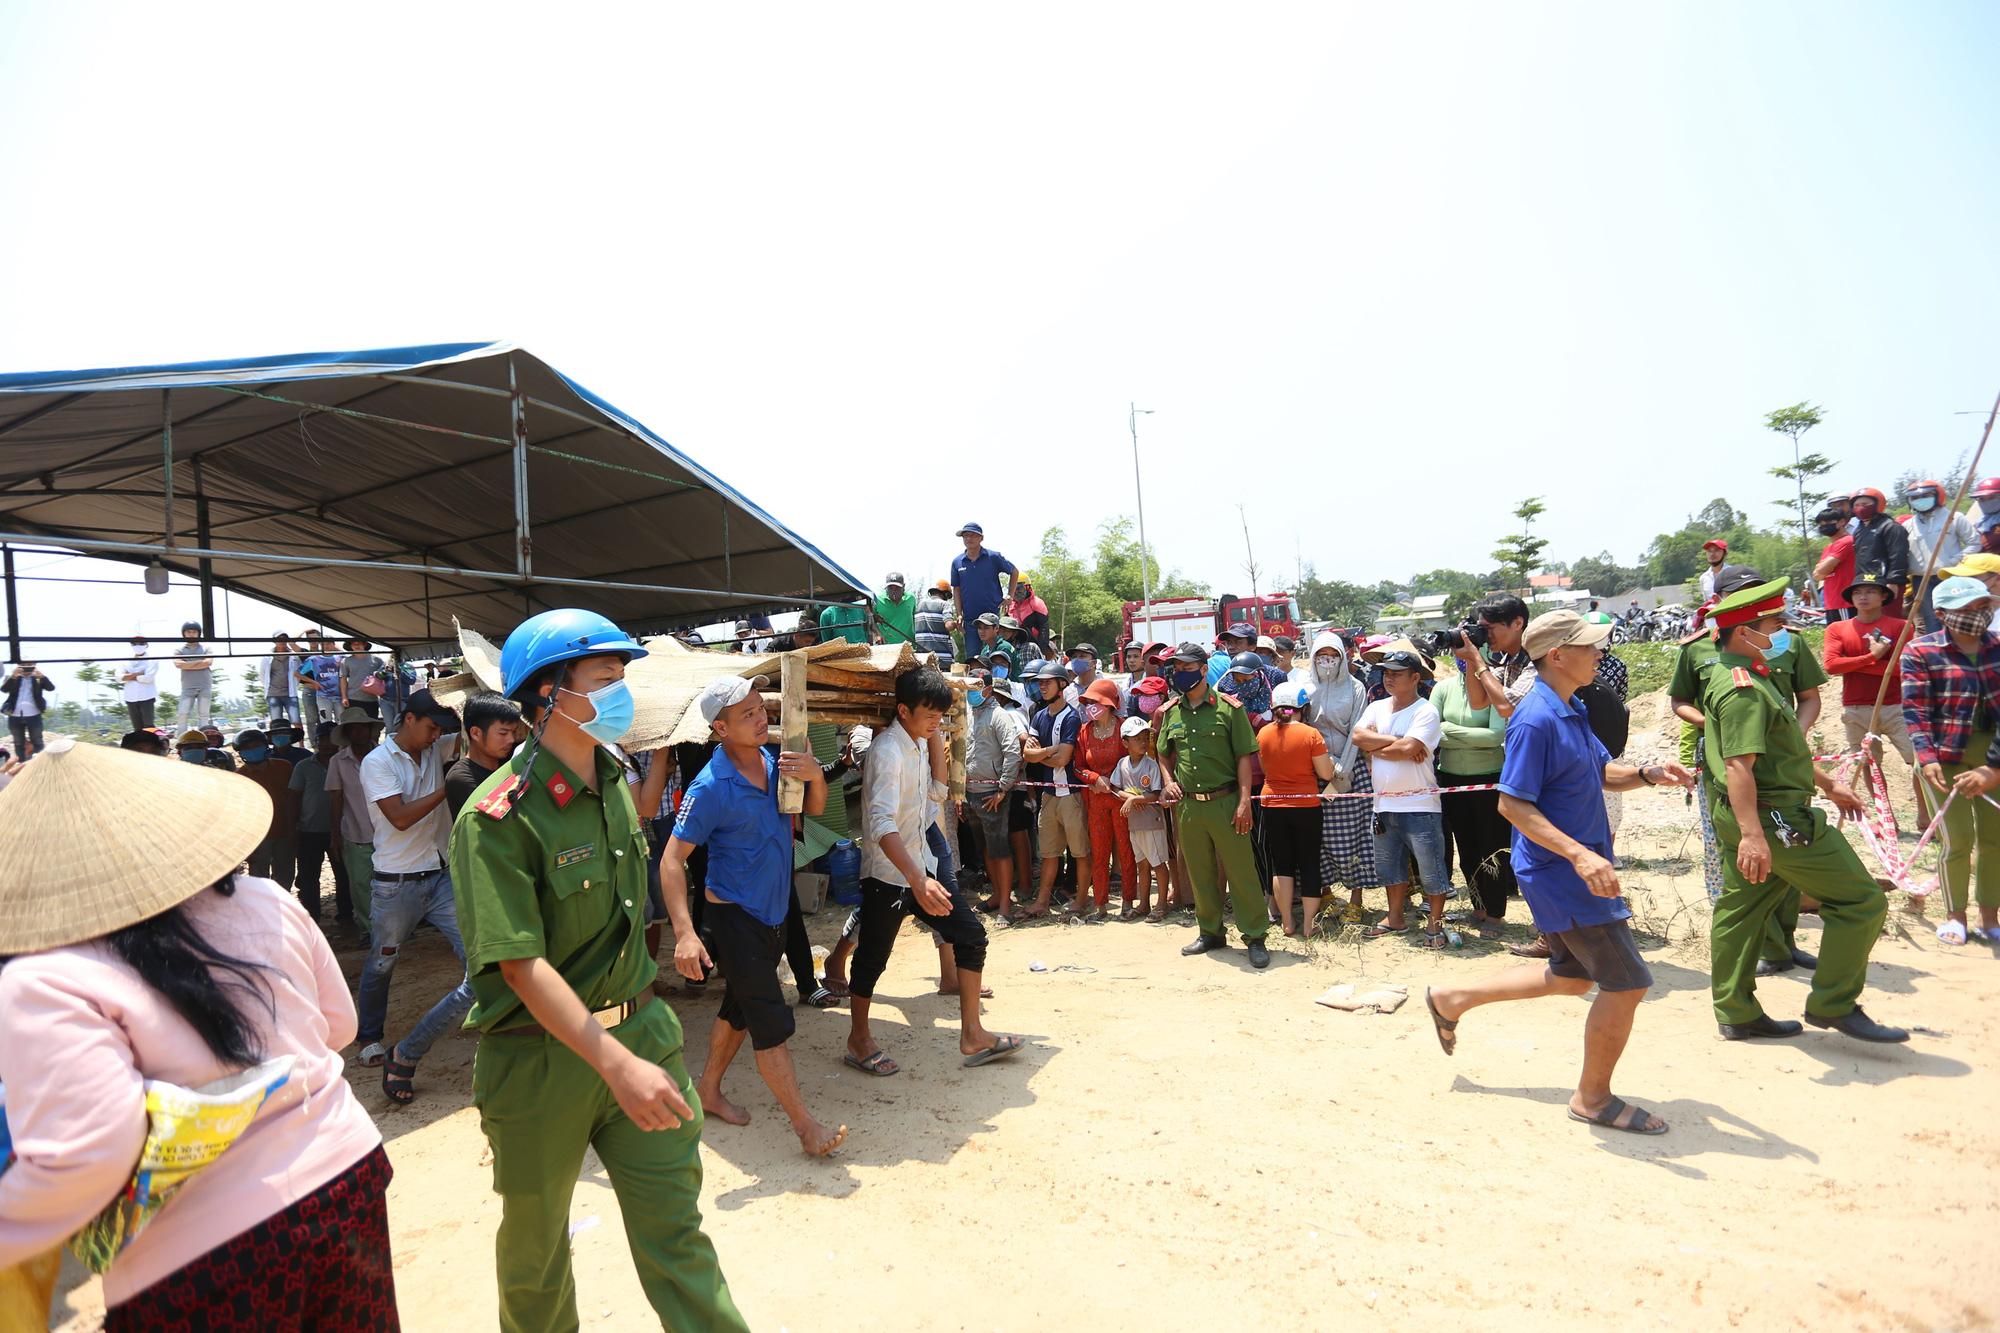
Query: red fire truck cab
(1202, 619)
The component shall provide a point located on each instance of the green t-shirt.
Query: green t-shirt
(899, 619)
(1747, 714)
(846, 622)
(563, 878)
(1203, 743)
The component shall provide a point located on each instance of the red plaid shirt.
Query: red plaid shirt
(1944, 691)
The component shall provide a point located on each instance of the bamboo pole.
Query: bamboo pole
(960, 724)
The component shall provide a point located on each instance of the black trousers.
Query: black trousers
(1482, 839)
(313, 848)
(141, 713)
(883, 907)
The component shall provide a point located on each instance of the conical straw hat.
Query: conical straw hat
(94, 839)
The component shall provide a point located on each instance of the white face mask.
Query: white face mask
(1326, 668)
(138, 650)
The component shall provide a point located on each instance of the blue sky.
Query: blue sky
(1380, 271)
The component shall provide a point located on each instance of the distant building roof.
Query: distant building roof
(1548, 581)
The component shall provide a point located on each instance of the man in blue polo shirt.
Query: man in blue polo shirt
(732, 809)
(1552, 785)
(975, 580)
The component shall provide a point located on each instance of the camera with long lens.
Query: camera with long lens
(1439, 643)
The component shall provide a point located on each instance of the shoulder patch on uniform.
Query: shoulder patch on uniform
(499, 802)
(1741, 675)
(575, 854)
(560, 789)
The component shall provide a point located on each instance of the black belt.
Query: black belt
(609, 1017)
(1213, 792)
(407, 876)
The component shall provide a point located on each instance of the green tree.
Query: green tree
(1793, 422)
(94, 678)
(253, 688)
(1086, 597)
(1520, 555)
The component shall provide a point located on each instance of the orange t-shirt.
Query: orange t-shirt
(1287, 750)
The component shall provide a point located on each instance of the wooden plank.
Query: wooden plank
(792, 726)
(875, 682)
(817, 698)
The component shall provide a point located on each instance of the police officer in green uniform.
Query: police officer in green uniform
(1797, 675)
(1207, 742)
(575, 1052)
(1773, 841)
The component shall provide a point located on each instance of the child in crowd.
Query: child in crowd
(1137, 779)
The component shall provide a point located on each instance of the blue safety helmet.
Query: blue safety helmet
(558, 636)
(1247, 664)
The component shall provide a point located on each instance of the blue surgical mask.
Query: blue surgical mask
(1080, 666)
(1183, 681)
(194, 756)
(614, 707)
(974, 698)
(1923, 504)
(1781, 643)
(255, 755)
(1001, 673)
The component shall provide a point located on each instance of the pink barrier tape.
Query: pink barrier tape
(1324, 796)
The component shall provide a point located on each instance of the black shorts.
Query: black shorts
(746, 953)
(1606, 954)
(1020, 818)
(1291, 845)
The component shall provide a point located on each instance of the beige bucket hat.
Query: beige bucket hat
(94, 839)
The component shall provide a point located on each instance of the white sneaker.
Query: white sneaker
(372, 1054)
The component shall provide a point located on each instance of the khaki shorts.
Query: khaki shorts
(1150, 845)
(1062, 823)
(1891, 725)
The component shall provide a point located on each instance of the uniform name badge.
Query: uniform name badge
(575, 854)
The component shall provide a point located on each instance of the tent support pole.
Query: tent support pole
(205, 566)
(167, 455)
(524, 554)
(728, 580)
(13, 611)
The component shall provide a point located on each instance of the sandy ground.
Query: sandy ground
(1190, 1142)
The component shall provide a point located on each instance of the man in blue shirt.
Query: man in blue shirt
(975, 579)
(1551, 790)
(732, 809)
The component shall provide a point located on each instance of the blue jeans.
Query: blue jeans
(1408, 834)
(283, 706)
(396, 908)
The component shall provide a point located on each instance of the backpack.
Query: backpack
(1609, 720)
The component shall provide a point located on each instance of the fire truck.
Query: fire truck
(1202, 619)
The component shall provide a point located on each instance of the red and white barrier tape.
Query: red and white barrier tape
(1081, 787)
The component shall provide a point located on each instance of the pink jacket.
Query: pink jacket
(82, 1032)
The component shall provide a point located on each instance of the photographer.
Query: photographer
(24, 698)
(1502, 676)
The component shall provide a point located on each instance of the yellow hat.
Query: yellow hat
(1972, 566)
(192, 736)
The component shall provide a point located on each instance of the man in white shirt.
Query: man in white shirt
(409, 883)
(1400, 736)
(1930, 525)
(896, 879)
(140, 681)
(1716, 552)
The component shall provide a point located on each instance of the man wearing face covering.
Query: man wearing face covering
(1932, 526)
(1334, 700)
(1207, 746)
(1881, 545)
(1986, 495)
(1774, 844)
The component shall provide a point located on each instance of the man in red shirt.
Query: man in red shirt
(1835, 569)
(1859, 651)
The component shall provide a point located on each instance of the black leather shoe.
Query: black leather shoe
(1762, 1026)
(1259, 955)
(1771, 967)
(1860, 1026)
(1800, 958)
(1202, 944)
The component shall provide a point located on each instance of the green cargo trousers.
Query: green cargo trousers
(1969, 827)
(359, 857)
(1852, 910)
(1205, 831)
(540, 1106)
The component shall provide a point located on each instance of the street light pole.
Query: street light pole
(1138, 490)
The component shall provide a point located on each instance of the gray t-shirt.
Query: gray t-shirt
(194, 680)
(315, 806)
(354, 670)
(1142, 775)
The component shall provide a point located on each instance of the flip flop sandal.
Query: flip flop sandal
(396, 1085)
(1156, 917)
(1001, 1048)
(1447, 1028)
(1608, 1118)
(1377, 931)
(878, 1064)
(822, 998)
(1434, 939)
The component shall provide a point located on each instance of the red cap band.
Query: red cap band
(1743, 615)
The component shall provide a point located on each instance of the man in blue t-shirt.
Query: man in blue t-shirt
(975, 579)
(732, 809)
(1062, 823)
(1552, 785)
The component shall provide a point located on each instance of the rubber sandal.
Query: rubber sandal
(1001, 1048)
(1447, 1028)
(371, 1055)
(1951, 932)
(396, 1081)
(822, 998)
(878, 1064)
(1378, 930)
(1608, 1118)
(1434, 939)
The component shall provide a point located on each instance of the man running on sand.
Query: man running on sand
(732, 809)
